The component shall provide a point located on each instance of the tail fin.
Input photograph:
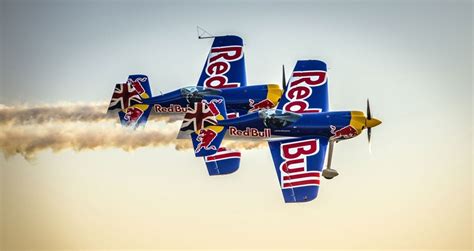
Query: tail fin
(201, 121)
(128, 98)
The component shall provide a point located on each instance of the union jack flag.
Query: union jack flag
(124, 96)
(199, 117)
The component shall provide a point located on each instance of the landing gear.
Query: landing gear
(329, 173)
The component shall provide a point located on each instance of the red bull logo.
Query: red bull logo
(232, 115)
(205, 138)
(264, 104)
(293, 169)
(132, 115)
(346, 132)
(136, 84)
(218, 64)
(170, 109)
(300, 89)
(250, 132)
(212, 105)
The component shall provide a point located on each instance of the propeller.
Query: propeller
(369, 117)
(370, 122)
(283, 80)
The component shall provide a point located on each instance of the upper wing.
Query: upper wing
(225, 64)
(298, 163)
(307, 89)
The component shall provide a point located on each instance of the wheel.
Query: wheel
(330, 173)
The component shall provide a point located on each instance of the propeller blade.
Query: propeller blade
(369, 116)
(369, 132)
(283, 80)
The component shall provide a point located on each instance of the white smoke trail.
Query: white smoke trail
(27, 130)
(64, 112)
(27, 140)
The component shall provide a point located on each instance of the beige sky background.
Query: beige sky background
(413, 59)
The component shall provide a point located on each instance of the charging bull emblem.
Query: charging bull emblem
(346, 132)
(264, 104)
(205, 138)
(132, 115)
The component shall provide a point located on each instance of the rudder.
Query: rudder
(128, 100)
(201, 121)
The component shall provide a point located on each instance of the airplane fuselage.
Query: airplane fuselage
(238, 100)
(337, 125)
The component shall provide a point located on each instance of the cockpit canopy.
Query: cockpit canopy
(196, 93)
(275, 118)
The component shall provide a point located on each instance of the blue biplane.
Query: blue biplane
(296, 122)
(223, 74)
(299, 130)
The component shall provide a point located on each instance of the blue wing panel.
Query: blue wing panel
(225, 64)
(307, 89)
(298, 163)
(223, 162)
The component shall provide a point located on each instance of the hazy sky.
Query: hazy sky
(413, 59)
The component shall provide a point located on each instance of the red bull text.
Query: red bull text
(250, 132)
(300, 89)
(218, 64)
(293, 169)
(171, 109)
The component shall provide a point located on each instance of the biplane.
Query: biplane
(296, 121)
(301, 130)
(223, 74)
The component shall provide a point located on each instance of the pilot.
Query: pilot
(274, 122)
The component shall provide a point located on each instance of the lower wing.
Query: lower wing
(298, 163)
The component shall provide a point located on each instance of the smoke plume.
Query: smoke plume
(27, 130)
(64, 112)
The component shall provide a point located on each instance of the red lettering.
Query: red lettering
(287, 166)
(217, 68)
(294, 171)
(305, 77)
(299, 92)
(250, 132)
(217, 81)
(229, 53)
(295, 149)
(219, 64)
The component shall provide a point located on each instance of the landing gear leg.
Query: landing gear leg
(329, 173)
